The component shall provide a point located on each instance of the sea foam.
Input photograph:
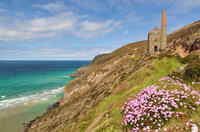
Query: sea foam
(34, 98)
(2, 97)
(65, 76)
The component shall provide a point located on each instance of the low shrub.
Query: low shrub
(189, 59)
(192, 70)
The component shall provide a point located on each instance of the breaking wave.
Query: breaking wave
(25, 100)
(65, 76)
(2, 97)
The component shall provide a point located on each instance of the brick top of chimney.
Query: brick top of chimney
(164, 18)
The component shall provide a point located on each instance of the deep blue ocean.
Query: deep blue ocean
(24, 82)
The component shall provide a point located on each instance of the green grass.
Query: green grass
(106, 116)
(135, 82)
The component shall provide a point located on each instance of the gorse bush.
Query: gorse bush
(188, 58)
(155, 105)
(192, 71)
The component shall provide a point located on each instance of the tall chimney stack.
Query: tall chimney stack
(163, 39)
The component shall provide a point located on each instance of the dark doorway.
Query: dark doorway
(155, 48)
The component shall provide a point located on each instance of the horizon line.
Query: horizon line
(45, 60)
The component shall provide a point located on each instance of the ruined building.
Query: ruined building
(157, 38)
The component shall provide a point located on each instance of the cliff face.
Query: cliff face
(99, 73)
(92, 101)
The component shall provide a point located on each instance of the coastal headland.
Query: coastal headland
(93, 100)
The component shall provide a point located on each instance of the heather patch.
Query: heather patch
(157, 104)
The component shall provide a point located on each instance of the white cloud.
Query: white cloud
(93, 29)
(52, 7)
(125, 32)
(89, 53)
(63, 22)
(52, 53)
(2, 10)
(54, 27)
(39, 28)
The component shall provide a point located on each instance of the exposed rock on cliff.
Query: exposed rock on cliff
(186, 39)
(79, 72)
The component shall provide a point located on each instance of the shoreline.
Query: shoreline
(28, 125)
(35, 95)
(15, 119)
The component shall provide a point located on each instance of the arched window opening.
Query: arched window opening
(155, 48)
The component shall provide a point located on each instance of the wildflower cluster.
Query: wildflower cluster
(155, 105)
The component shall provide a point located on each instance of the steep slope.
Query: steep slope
(85, 92)
(185, 40)
(92, 101)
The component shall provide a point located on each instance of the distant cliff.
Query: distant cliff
(92, 101)
(96, 58)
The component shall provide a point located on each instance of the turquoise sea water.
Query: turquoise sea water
(27, 88)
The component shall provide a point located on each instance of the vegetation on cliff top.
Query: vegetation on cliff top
(110, 107)
(107, 116)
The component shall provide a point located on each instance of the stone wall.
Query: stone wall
(154, 41)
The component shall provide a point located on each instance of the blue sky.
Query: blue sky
(81, 29)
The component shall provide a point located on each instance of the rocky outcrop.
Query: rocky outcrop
(78, 73)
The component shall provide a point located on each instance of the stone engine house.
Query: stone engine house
(157, 38)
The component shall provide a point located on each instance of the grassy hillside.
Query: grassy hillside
(107, 116)
(92, 102)
(137, 48)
